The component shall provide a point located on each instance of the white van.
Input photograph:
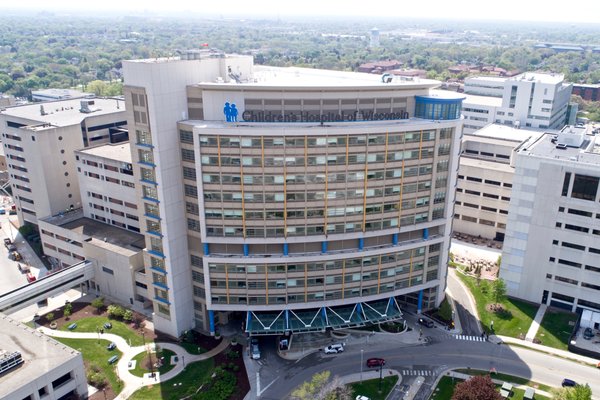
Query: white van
(334, 348)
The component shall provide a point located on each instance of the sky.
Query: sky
(519, 10)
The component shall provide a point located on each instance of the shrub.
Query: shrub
(128, 315)
(67, 313)
(115, 311)
(96, 379)
(98, 304)
(232, 354)
(50, 316)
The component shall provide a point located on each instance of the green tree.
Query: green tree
(320, 387)
(50, 316)
(579, 392)
(498, 290)
(98, 304)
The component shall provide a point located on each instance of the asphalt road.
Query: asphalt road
(465, 308)
(442, 353)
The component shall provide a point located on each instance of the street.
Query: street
(444, 352)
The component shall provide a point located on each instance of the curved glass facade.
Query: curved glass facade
(436, 108)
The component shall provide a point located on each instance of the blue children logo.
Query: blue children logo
(231, 112)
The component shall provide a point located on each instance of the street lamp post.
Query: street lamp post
(361, 363)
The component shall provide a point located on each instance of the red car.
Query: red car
(375, 362)
(30, 277)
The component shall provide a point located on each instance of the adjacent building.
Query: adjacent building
(552, 240)
(39, 143)
(528, 100)
(485, 178)
(58, 94)
(34, 366)
(293, 199)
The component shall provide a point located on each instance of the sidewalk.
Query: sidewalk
(499, 339)
(535, 324)
(132, 382)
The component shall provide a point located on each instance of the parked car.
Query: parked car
(30, 277)
(568, 383)
(7, 242)
(111, 346)
(425, 322)
(361, 397)
(334, 348)
(2, 211)
(588, 333)
(375, 362)
(255, 352)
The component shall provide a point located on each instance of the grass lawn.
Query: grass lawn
(555, 329)
(507, 378)
(192, 348)
(370, 388)
(92, 324)
(446, 385)
(444, 389)
(182, 385)
(517, 321)
(94, 352)
(140, 367)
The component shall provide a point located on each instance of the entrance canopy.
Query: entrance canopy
(318, 319)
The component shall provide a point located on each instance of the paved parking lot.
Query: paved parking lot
(11, 276)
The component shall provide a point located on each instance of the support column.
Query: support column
(211, 321)
(395, 239)
(246, 250)
(324, 247)
(420, 302)
(426, 233)
(361, 243)
(286, 249)
(206, 249)
(287, 320)
(248, 320)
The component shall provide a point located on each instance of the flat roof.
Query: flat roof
(468, 161)
(100, 234)
(108, 236)
(543, 147)
(120, 152)
(538, 77)
(60, 93)
(504, 132)
(64, 112)
(40, 354)
(486, 78)
(307, 78)
(489, 101)
(305, 127)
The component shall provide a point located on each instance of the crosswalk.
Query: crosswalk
(416, 372)
(469, 338)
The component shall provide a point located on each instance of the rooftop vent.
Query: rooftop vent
(86, 106)
(9, 361)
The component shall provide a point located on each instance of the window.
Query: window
(585, 187)
(186, 136)
(566, 280)
(566, 183)
(108, 270)
(573, 246)
(61, 381)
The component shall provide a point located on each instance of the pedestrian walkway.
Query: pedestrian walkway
(544, 349)
(469, 338)
(132, 382)
(535, 324)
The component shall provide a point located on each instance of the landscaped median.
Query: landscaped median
(96, 324)
(447, 384)
(371, 388)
